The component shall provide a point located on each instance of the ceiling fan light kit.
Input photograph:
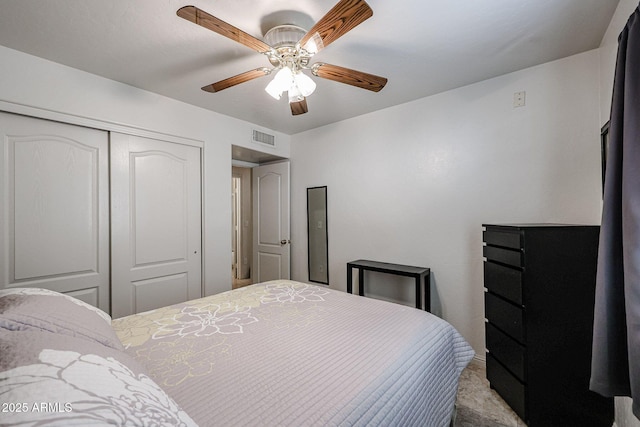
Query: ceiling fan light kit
(295, 84)
(280, 83)
(290, 48)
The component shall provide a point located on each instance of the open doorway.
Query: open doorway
(241, 227)
(242, 220)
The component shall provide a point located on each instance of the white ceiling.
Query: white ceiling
(422, 46)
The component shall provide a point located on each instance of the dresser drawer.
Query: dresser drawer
(502, 238)
(507, 386)
(504, 281)
(508, 351)
(504, 315)
(505, 256)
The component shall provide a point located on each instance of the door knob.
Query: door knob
(284, 241)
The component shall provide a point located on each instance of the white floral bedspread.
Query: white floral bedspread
(289, 353)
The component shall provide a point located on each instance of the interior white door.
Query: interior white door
(155, 223)
(54, 208)
(271, 238)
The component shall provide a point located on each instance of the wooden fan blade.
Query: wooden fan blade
(344, 16)
(299, 107)
(236, 80)
(349, 76)
(210, 22)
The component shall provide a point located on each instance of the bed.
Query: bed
(272, 354)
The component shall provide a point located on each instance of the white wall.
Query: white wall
(608, 52)
(412, 184)
(34, 86)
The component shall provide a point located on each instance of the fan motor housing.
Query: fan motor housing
(286, 35)
(283, 39)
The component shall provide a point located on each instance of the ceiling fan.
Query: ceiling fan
(290, 48)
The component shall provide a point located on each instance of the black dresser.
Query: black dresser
(539, 300)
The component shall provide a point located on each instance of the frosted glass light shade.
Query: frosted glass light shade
(305, 84)
(280, 83)
(294, 94)
(273, 89)
(298, 85)
(284, 77)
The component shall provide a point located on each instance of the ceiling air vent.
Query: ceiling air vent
(264, 138)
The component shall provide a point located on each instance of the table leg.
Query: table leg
(418, 296)
(427, 292)
(361, 281)
(349, 279)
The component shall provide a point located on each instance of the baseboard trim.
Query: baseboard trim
(479, 360)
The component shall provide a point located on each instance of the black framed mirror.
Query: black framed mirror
(317, 236)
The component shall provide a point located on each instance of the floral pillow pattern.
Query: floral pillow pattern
(62, 381)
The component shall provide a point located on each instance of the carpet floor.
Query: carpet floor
(479, 406)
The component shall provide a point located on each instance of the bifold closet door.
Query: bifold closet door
(155, 224)
(54, 208)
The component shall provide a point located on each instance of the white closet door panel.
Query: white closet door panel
(155, 223)
(90, 296)
(160, 291)
(55, 213)
(56, 208)
(160, 185)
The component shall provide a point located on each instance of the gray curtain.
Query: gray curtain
(615, 369)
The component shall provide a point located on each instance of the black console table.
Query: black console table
(419, 273)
